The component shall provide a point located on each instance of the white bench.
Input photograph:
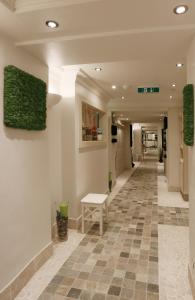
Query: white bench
(91, 204)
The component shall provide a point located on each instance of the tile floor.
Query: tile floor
(123, 264)
(126, 262)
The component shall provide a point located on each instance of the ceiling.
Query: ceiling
(136, 43)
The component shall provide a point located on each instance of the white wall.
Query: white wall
(137, 141)
(191, 79)
(81, 170)
(55, 153)
(159, 131)
(24, 180)
(91, 163)
(119, 154)
(62, 141)
(173, 148)
(123, 154)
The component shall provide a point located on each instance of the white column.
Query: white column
(63, 157)
(173, 149)
(137, 142)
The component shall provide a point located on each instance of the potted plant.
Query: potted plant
(62, 221)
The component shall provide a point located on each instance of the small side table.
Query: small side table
(91, 204)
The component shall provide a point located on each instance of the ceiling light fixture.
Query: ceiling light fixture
(98, 69)
(123, 98)
(171, 97)
(179, 65)
(114, 87)
(52, 24)
(173, 85)
(180, 9)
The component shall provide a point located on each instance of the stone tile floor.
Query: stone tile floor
(123, 263)
(134, 259)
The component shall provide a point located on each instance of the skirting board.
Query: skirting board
(191, 283)
(17, 284)
(74, 223)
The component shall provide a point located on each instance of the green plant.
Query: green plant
(64, 209)
(62, 220)
(24, 100)
(188, 114)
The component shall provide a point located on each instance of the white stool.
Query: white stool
(91, 204)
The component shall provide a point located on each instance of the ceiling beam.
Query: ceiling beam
(9, 4)
(33, 5)
(107, 34)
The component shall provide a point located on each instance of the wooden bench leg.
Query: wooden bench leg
(83, 218)
(101, 220)
(106, 209)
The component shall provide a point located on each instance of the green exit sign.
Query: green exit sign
(145, 90)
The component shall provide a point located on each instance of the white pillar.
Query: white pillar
(137, 142)
(173, 154)
(62, 152)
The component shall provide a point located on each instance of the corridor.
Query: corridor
(123, 264)
(97, 97)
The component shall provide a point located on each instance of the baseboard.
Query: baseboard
(53, 231)
(74, 223)
(191, 283)
(20, 280)
(173, 189)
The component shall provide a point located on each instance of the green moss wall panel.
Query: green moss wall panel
(188, 114)
(24, 100)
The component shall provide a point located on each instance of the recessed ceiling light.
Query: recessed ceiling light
(114, 87)
(179, 65)
(173, 85)
(52, 24)
(98, 69)
(180, 9)
(171, 97)
(123, 98)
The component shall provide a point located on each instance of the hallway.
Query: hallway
(87, 88)
(123, 264)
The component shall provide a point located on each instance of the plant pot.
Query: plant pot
(110, 185)
(100, 137)
(62, 228)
